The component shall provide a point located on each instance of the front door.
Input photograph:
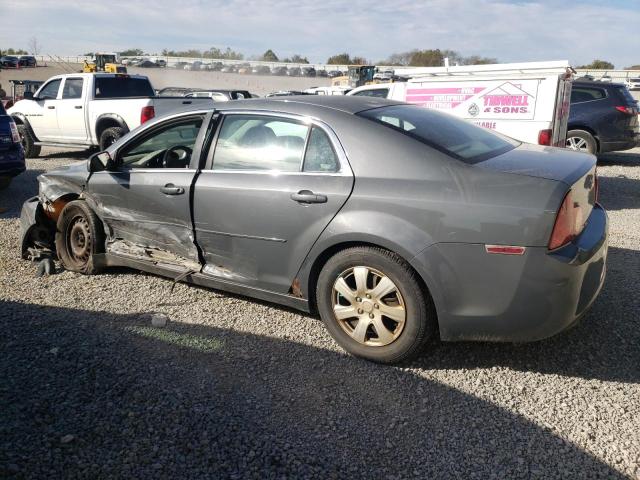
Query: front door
(42, 115)
(71, 113)
(270, 187)
(145, 201)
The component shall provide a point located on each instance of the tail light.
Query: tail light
(627, 110)
(15, 136)
(573, 215)
(544, 137)
(146, 114)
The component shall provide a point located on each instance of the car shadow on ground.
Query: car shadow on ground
(70, 154)
(622, 192)
(629, 159)
(22, 187)
(91, 394)
(603, 345)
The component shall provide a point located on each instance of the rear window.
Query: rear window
(625, 94)
(446, 133)
(121, 86)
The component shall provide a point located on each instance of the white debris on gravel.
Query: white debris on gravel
(236, 388)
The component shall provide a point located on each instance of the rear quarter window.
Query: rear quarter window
(625, 95)
(453, 136)
(586, 94)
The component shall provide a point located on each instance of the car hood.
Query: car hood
(64, 180)
(551, 163)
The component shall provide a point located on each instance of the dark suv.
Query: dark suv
(603, 118)
(11, 151)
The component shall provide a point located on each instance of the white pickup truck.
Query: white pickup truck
(83, 110)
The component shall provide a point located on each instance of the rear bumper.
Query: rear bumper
(480, 296)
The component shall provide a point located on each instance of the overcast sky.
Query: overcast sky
(510, 30)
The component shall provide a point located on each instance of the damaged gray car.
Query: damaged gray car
(395, 223)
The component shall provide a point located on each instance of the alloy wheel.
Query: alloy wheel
(578, 144)
(368, 306)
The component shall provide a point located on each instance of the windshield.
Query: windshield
(448, 134)
(122, 86)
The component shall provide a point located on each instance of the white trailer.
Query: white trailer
(525, 101)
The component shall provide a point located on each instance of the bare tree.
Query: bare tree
(34, 46)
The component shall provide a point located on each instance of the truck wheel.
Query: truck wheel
(373, 305)
(28, 142)
(110, 136)
(581, 141)
(79, 236)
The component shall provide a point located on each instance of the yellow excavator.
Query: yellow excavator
(104, 62)
(357, 76)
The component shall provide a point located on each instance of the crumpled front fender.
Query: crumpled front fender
(36, 230)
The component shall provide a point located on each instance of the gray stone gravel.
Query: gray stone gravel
(235, 388)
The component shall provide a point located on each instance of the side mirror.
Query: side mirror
(28, 96)
(99, 162)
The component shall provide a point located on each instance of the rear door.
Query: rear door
(71, 112)
(271, 184)
(145, 201)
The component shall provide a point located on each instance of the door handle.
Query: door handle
(171, 189)
(51, 107)
(78, 107)
(307, 196)
(187, 102)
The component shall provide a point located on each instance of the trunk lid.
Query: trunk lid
(551, 163)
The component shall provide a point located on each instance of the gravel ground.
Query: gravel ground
(234, 388)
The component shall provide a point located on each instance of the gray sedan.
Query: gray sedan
(394, 222)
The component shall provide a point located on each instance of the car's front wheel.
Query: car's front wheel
(374, 306)
(31, 150)
(79, 237)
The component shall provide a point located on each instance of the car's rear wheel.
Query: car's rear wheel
(31, 150)
(110, 136)
(581, 141)
(374, 306)
(79, 237)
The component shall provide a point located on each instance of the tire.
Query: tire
(581, 141)
(28, 142)
(79, 237)
(403, 339)
(110, 136)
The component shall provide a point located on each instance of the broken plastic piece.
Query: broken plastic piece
(46, 267)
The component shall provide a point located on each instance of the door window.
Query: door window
(50, 90)
(72, 88)
(256, 142)
(170, 146)
(320, 156)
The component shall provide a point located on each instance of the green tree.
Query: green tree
(296, 59)
(477, 60)
(340, 59)
(132, 52)
(426, 58)
(598, 65)
(270, 56)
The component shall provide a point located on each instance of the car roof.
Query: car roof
(595, 83)
(296, 103)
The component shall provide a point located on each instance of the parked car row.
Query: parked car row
(248, 69)
(12, 61)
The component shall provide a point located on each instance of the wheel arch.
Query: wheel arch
(109, 120)
(587, 129)
(21, 119)
(314, 267)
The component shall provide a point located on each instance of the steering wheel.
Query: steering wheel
(167, 160)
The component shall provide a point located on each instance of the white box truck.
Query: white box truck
(525, 101)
